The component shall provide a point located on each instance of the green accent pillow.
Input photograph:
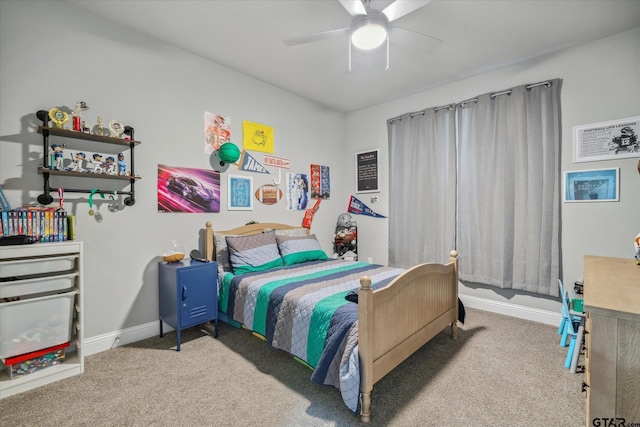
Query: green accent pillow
(257, 252)
(295, 250)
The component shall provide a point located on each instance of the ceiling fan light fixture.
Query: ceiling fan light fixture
(368, 33)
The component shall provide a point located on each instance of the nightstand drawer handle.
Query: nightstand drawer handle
(184, 293)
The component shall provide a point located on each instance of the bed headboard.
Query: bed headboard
(245, 230)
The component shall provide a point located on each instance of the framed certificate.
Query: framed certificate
(615, 139)
(368, 171)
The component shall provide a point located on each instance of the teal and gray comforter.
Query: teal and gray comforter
(302, 310)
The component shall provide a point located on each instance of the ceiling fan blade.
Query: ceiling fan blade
(408, 38)
(310, 38)
(354, 7)
(400, 8)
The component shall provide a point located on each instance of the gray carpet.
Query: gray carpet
(501, 371)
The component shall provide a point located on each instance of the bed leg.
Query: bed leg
(454, 330)
(365, 413)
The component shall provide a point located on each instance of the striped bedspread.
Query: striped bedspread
(302, 310)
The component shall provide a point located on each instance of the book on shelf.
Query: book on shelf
(46, 224)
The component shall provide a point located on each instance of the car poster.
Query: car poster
(188, 190)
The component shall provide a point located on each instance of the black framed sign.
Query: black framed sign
(367, 171)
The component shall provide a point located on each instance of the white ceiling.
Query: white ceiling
(478, 36)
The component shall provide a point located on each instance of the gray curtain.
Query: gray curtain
(422, 169)
(508, 188)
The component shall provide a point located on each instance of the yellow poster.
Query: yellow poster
(257, 137)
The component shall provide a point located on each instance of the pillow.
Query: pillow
(222, 252)
(295, 250)
(257, 252)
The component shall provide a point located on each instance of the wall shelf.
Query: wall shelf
(42, 170)
(47, 170)
(85, 136)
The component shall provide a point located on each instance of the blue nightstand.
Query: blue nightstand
(188, 295)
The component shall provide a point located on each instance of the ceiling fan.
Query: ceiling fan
(369, 27)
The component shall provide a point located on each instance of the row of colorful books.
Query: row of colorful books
(46, 224)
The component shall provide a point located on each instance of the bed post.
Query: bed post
(208, 241)
(454, 324)
(365, 346)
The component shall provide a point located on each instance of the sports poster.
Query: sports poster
(297, 191)
(217, 131)
(320, 182)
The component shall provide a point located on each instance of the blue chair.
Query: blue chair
(572, 329)
(567, 317)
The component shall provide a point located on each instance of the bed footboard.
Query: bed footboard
(398, 319)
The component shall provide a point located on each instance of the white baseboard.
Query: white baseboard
(521, 312)
(114, 339)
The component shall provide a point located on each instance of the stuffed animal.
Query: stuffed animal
(636, 243)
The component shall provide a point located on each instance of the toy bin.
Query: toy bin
(37, 285)
(35, 323)
(13, 268)
(25, 364)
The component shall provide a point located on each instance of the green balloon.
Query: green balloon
(228, 152)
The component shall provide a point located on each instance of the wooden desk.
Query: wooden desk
(612, 357)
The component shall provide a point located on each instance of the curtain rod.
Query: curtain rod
(463, 104)
(547, 84)
(529, 87)
(506, 92)
(421, 113)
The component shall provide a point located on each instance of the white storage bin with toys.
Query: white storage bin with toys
(41, 319)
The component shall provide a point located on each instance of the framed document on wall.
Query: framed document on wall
(368, 171)
(612, 140)
(240, 196)
(597, 185)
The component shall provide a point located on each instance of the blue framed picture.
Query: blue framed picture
(596, 185)
(240, 191)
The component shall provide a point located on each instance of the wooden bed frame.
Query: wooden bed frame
(393, 321)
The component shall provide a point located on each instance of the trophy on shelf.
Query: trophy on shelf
(77, 115)
(117, 128)
(58, 117)
(99, 129)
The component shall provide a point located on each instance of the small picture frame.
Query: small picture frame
(368, 171)
(240, 193)
(596, 185)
